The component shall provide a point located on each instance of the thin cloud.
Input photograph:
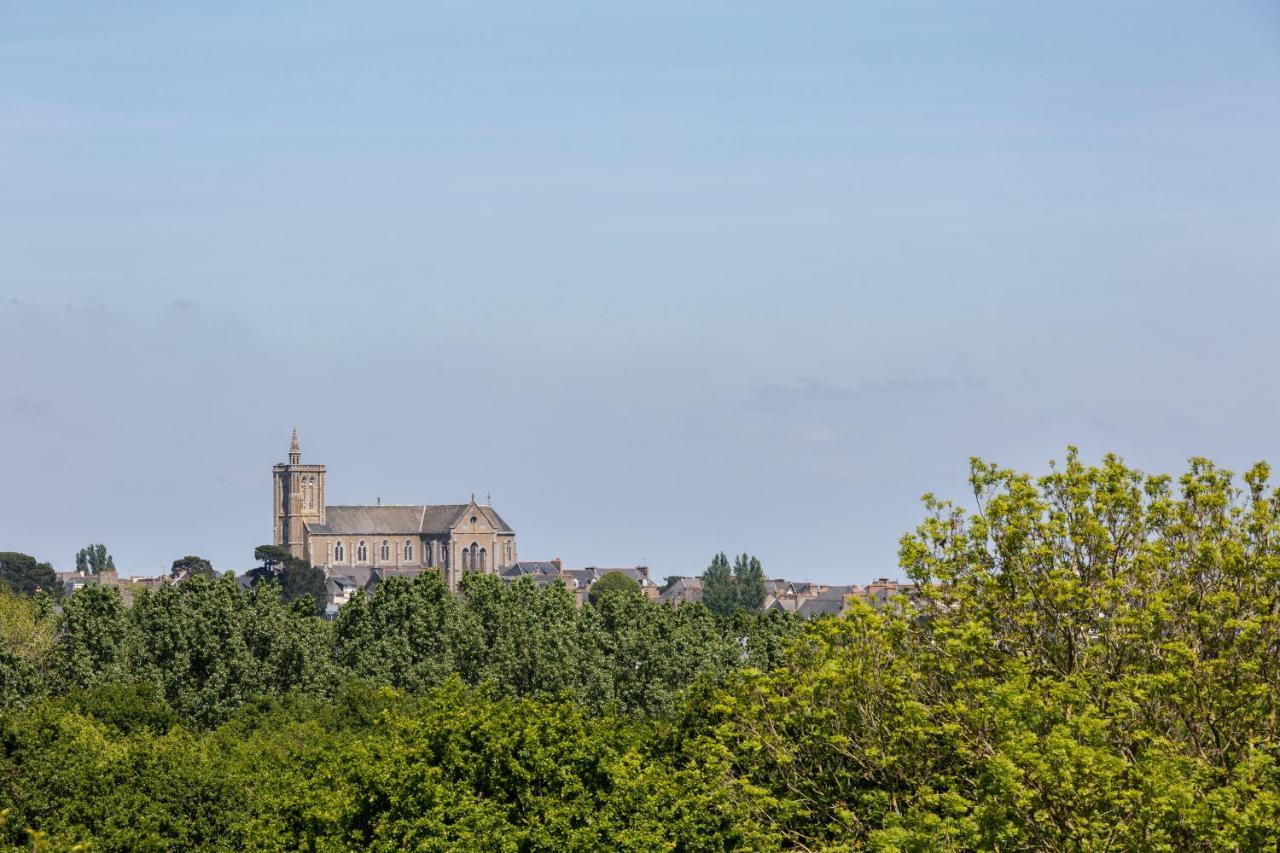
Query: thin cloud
(810, 394)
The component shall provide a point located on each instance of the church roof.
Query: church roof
(409, 520)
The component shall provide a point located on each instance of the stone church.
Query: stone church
(355, 540)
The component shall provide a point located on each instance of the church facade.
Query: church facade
(355, 540)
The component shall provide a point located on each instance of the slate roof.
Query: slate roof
(410, 520)
(832, 601)
(531, 567)
(582, 578)
(340, 584)
(682, 589)
(639, 574)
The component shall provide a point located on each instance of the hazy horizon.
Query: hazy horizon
(663, 280)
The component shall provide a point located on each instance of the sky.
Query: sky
(662, 279)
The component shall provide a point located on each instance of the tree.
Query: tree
(208, 646)
(612, 582)
(94, 560)
(25, 576)
(27, 628)
(274, 557)
(726, 589)
(92, 638)
(297, 577)
(1091, 663)
(300, 580)
(192, 565)
(719, 593)
(405, 636)
(749, 578)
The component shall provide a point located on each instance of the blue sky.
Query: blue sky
(663, 278)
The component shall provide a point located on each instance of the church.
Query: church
(355, 540)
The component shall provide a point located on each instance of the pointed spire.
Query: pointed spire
(295, 455)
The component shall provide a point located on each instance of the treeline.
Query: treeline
(209, 645)
(1094, 664)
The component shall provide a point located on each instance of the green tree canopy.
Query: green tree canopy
(749, 578)
(192, 565)
(24, 575)
(612, 582)
(298, 579)
(1093, 663)
(94, 560)
(740, 587)
(719, 592)
(272, 556)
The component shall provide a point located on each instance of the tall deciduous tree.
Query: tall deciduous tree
(1093, 663)
(719, 592)
(92, 638)
(94, 560)
(740, 587)
(748, 576)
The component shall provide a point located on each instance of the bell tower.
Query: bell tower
(298, 498)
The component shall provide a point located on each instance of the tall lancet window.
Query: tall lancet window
(362, 552)
(408, 551)
(338, 554)
(386, 550)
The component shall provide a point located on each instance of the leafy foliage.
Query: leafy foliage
(24, 575)
(298, 579)
(191, 565)
(94, 560)
(748, 579)
(741, 587)
(372, 770)
(1093, 664)
(612, 582)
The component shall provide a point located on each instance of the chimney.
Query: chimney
(556, 563)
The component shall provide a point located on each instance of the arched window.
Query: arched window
(338, 554)
(474, 556)
(508, 552)
(408, 551)
(482, 556)
(444, 555)
(426, 553)
(386, 550)
(362, 552)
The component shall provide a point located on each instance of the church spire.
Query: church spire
(295, 455)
